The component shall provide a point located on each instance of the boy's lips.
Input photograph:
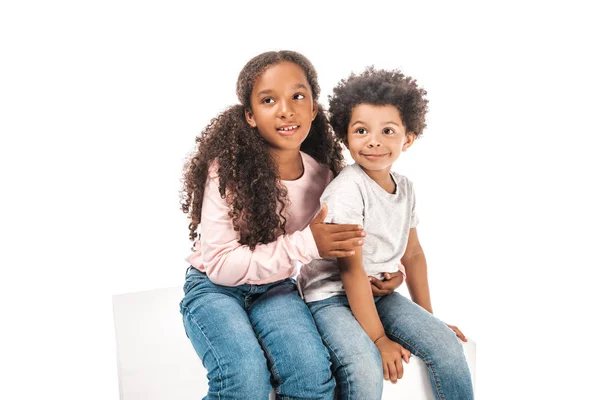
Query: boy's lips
(374, 156)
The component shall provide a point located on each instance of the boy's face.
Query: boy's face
(377, 136)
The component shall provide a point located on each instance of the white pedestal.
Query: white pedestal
(156, 360)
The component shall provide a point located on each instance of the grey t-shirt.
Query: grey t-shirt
(354, 198)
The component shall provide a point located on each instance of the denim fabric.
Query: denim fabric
(356, 360)
(254, 337)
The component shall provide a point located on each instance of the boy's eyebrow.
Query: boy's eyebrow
(385, 123)
(268, 91)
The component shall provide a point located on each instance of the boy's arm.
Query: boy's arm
(416, 271)
(358, 289)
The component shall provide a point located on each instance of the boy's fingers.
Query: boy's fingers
(386, 372)
(393, 372)
(399, 368)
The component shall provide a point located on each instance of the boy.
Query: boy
(378, 115)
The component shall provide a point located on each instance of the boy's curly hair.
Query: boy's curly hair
(378, 87)
(248, 176)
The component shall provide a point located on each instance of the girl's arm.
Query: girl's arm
(228, 263)
(416, 271)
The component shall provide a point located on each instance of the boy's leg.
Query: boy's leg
(355, 358)
(221, 333)
(297, 358)
(432, 341)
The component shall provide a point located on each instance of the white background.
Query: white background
(100, 103)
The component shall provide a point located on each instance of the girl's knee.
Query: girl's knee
(246, 378)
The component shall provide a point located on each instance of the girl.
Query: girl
(378, 115)
(251, 189)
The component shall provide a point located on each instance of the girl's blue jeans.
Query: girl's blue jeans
(251, 338)
(356, 360)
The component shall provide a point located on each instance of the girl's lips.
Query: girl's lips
(288, 130)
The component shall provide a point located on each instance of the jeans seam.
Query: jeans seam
(212, 349)
(274, 371)
(425, 359)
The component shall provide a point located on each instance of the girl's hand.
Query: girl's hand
(458, 332)
(392, 282)
(392, 355)
(333, 240)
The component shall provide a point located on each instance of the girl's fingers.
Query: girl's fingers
(339, 254)
(343, 236)
(348, 244)
(337, 228)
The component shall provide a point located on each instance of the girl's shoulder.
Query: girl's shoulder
(314, 169)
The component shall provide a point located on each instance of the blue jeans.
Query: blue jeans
(356, 359)
(255, 337)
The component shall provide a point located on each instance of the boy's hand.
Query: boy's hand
(388, 285)
(458, 332)
(392, 355)
(335, 240)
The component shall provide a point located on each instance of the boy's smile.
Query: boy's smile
(376, 137)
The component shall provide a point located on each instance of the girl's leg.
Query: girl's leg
(221, 333)
(432, 341)
(355, 358)
(297, 358)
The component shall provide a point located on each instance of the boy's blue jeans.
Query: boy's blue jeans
(251, 338)
(356, 360)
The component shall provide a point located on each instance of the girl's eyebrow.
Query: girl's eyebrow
(268, 91)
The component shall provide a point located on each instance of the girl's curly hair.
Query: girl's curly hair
(248, 176)
(378, 87)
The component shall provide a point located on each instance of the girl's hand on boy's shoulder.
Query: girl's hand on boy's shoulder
(388, 285)
(458, 332)
(335, 240)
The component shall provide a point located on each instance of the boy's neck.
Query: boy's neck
(383, 178)
(289, 163)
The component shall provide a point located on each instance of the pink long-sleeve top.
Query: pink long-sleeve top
(227, 262)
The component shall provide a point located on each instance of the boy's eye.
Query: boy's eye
(299, 96)
(361, 131)
(388, 131)
(268, 100)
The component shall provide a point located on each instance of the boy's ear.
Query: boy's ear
(409, 140)
(250, 118)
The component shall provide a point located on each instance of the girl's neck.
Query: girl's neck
(289, 163)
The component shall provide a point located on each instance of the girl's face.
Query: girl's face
(282, 106)
(377, 136)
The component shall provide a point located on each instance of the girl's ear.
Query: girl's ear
(250, 118)
(409, 140)
(315, 110)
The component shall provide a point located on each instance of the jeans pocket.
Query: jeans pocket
(193, 279)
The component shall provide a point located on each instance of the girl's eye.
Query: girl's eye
(361, 131)
(268, 100)
(388, 131)
(299, 96)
